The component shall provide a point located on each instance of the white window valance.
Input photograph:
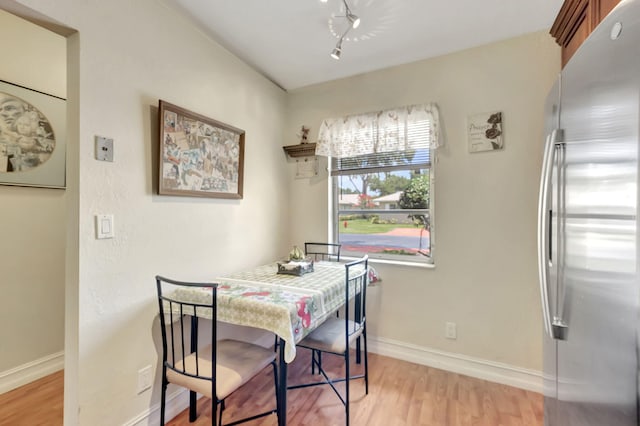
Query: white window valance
(414, 127)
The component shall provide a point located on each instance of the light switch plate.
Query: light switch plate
(104, 149)
(104, 226)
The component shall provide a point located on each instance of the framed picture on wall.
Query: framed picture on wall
(32, 137)
(485, 132)
(199, 156)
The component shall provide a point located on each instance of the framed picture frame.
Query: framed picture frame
(32, 137)
(485, 132)
(199, 156)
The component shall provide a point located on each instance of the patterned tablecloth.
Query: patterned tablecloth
(290, 306)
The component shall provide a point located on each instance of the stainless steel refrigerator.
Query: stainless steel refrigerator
(587, 236)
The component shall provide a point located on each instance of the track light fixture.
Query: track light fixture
(354, 22)
(353, 19)
(337, 51)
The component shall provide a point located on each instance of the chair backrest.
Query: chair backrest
(356, 275)
(323, 251)
(178, 306)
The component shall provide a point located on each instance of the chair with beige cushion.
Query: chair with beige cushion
(188, 364)
(337, 334)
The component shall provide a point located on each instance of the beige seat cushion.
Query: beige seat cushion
(238, 362)
(329, 336)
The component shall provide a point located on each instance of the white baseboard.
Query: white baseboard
(177, 402)
(31, 371)
(475, 367)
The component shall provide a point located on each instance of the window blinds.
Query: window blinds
(398, 138)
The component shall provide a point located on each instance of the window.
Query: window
(382, 184)
(384, 213)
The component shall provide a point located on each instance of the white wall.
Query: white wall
(125, 57)
(485, 203)
(32, 222)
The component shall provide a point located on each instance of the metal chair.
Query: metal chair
(323, 251)
(190, 365)
(336, 335)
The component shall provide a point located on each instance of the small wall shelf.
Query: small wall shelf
(300, 150)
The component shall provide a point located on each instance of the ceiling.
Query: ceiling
(289, 41)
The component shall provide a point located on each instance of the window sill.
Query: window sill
(393, 262)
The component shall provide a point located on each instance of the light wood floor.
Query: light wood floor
(400, 393)
(36, 404)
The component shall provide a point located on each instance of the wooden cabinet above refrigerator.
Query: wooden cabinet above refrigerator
(576, 20)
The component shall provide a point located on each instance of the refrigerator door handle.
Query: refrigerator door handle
(559, 327)
(544, 230)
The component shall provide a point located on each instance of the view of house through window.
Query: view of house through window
(385, 214)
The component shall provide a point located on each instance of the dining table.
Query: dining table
(289, 305)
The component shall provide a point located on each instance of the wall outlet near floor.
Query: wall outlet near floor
(450, 331)
(144, 379)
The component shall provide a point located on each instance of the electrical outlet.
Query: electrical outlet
(104, 149)
(450, 331)
(144, 379)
